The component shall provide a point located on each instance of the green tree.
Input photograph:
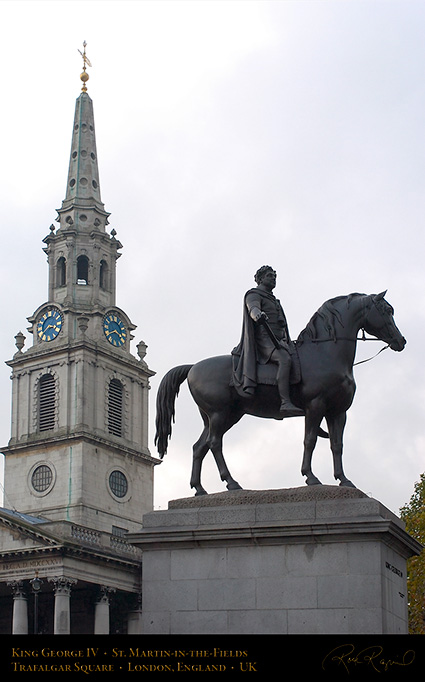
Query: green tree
(413, 514)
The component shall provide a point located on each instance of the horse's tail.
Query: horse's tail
(167, 393)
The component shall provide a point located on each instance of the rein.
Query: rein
(373, 356)
(359, 338)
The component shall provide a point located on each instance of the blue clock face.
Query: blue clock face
(49, 324)
(114, 329)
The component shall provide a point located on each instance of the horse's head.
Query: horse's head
(379, 322)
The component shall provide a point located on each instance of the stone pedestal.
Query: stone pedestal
(311, 560)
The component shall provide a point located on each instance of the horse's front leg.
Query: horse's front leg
(336, 425)
(313, 419)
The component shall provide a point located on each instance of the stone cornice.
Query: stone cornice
(12, 448)
(62, 551)
(349, 531)
(96, 348)
(307, 515)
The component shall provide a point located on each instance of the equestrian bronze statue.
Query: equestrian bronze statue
(312, 376)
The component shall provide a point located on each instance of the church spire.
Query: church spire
(81, 254)
(83, 187)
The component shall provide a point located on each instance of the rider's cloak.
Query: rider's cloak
(255, 346)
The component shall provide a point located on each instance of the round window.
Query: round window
(118, 483)
(42, 478)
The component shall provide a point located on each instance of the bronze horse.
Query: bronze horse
(326, 350)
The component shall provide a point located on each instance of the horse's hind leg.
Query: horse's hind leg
(219, 424)
(200, 449)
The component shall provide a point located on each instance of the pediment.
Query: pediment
(20, 532)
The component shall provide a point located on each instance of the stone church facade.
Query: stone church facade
(78, 471)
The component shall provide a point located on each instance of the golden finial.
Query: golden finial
(86, 62)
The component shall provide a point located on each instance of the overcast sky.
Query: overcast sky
(232, 135)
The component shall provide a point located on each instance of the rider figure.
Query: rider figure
(262, 345)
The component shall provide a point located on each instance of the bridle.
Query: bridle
(363, 337)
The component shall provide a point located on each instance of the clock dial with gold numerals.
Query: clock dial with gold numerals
(114, 329)
(49, 325)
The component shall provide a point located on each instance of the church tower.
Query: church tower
(79, 444)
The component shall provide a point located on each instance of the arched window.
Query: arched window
(82, 270)
(61, 272)
(46, 402)
(103, 275)
(115, 407)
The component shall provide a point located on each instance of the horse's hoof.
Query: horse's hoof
(347, 484)
(312, 480)
(200, 492)
(234, 485)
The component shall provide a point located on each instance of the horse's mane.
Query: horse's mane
(325, 319)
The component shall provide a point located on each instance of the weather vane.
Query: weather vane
(86, 62)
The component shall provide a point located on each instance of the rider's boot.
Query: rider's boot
(287, 408)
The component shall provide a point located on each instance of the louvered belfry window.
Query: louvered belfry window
(46, 402)
(115, 405)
